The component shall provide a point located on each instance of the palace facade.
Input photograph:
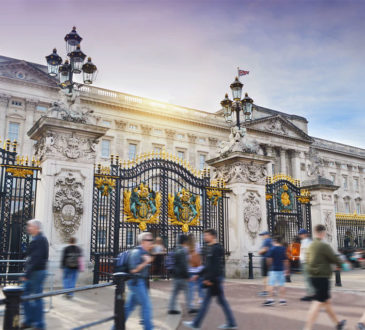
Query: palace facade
(137, 125)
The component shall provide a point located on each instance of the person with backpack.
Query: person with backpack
(213, 276)
(180, 274)
(71, 265)
(138, 262)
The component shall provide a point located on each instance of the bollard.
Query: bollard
(338, 278)
(250, 266)
(119, 317)
(12, 305)
(96, 268)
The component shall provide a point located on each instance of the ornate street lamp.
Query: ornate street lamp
(237, 105)
(75, 65)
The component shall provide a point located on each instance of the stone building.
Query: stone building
(137, 124)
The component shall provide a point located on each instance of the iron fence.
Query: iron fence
(350, 230)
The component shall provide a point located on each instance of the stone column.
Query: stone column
(245, 175)
(213, 143)
(269, 152)
(4, 103)
(120, 147)
(30, 106)
(283, 161)
(323, 207)
(67, 151)
(296, 164)
(170, 135)
(192, 150)
(145, 144)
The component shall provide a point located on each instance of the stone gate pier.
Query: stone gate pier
(67, 151)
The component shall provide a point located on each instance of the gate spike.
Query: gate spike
(7, 144)
(26, 161)
(14, 145)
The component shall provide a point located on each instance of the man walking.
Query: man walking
(305, 242)
(319, 259)
(278, 264)
(213, 280)
(180, 274)
(35, 274)
(139, 261)
(265, 247)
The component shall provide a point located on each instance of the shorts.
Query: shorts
(276, 278)
(321, 287)
(264, 269)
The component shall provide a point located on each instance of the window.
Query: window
(132, 151)
(347, 207)
(181, 154)
(106, 123)
(129, 238)
(358, 208)
(333, 178)
(133, 127)
(180, 136)
(344, 182)
(157, 149)
(344, 166)
(16, 103)
(102, 237)
(13, 132)
(356, 184)
(202, 161)
(41, 108)
(105, 148)
(201, 140)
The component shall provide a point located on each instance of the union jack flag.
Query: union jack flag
(242, 72)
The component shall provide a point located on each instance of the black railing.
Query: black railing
(13, 299)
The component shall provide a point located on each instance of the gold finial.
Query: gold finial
(26, 161)
(38, 162)
(33, 161)
(129, 163)
(7, 145)
(14, 145)
(116, 159)
(22, 160)
(99, 168)
(111, 159)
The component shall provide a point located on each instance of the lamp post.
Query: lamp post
(237, 105)
(73, 65)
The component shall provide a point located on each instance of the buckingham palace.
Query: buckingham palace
(135, 125)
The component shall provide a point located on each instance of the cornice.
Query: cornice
(28, 83)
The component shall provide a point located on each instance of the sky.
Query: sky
(304, 57)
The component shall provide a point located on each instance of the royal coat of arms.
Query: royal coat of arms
(285, 199)
(142, 205)
(184, 209)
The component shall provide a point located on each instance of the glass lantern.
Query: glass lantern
(247, 103)
(236, 88)
(77, 60)
(227, 106)
(53, 62)
(64, 71)
(89, 72)
(72, 40)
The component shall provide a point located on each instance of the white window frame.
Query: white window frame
(200, 163)
(129, 150)
(102, 148)
(9, 130)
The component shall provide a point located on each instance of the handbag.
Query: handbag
(81, 263)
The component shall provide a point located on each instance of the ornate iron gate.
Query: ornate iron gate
(288, 207)
(155, 192)
(350, 230)
(18, 184)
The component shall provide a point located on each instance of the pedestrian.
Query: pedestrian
(213, 273)
(35, 275)
(305, 242)
(278, 265)
(265, 247)
(195, 267)
(72, 264)
(180, 274)
(361, 324)
(159, 252)
(320, 257)
(139, 261)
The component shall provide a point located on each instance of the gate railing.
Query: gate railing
(158, 192)
(18, 186)
(350, 230)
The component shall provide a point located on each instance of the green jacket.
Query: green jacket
(320, 257)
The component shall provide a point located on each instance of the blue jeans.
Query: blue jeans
(179, 284)
(221, 301)
(138, 295)
(194, 286)
(33, 310)
(70, 278)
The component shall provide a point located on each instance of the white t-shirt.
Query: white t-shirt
(304, 245)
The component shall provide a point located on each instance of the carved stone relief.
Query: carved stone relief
(121, 124)
(315, 168)
(276, 126)
(326, 197)
(192, 138)
(67, 146)
(170, 133)
(213, 141)
(327, 216)
(242, 172)
(146, 129)
(252, 214)
(68, 204)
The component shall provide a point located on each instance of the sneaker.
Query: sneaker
(360, 326)
(306, 298)
(268, 302)
(341, 325)
(263, 293)
(226, 326)
(282, 302)
(190, 325)
(173, 312)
